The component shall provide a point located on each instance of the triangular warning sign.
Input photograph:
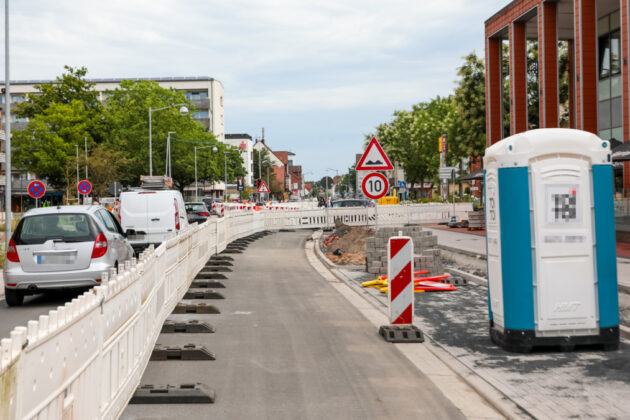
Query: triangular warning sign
(263, 188)
(374, 158)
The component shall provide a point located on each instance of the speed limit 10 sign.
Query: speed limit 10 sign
(374, 185)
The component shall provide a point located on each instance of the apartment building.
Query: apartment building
(205, 93)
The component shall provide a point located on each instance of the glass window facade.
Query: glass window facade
(609, 110)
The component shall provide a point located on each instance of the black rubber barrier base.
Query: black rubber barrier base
(211, 275)
(221, 258)
(173, 394)
(401, 334)
(213, 269)
(207, 284)
(195, 308)
(203, 294)
(186, 352)
(189, 326)
(524, 341)
(232, 251)
(219, 263)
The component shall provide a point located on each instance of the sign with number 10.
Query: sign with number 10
(375, 186)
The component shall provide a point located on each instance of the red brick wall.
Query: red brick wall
(518, 79)
(548, 63)
(493, 91)
(586, 64)
(626, 93)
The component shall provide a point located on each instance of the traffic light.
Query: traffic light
(257, 182)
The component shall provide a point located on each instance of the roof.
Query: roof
(118, 80)
(283, 156)
(61, 209)
(478, 174)
(621, 152)
(238, 136)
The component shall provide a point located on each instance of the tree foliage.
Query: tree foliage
(470, 105)
(47, 145)
(67, 111)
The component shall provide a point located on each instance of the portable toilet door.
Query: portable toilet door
(551, 240)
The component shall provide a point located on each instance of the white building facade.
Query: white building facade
(246, 145)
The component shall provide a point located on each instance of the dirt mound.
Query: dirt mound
(346, 244)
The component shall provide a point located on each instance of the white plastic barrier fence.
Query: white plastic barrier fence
(85, 359)
(394, 215)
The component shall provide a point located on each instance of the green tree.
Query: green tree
(126, 120)
(470, 106)
(104, 168)
(533, 98)
(46, 146)
(265, 164)
(70, 86)
(412, 137)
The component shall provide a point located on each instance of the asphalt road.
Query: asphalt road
(289, 346)
(33, 307)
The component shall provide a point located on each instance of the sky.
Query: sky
(318, 75)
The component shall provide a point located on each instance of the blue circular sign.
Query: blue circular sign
(84, 187)
(36, 189)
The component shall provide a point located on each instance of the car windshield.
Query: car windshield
(350, 203)
(196, 207)
(64, 227)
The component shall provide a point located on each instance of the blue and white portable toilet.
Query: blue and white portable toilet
(552, 270)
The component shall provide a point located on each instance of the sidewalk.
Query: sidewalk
(474, 241)
(549, 384)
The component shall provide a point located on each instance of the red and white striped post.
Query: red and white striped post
(400, 275)
(400, 293)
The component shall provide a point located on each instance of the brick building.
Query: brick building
(596, 37)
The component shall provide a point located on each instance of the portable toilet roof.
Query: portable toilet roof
(519, 149)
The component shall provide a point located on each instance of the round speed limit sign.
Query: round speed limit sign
(374, 186)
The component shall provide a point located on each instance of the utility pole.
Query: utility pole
(86, 158)
(77, 147)
(7, 132)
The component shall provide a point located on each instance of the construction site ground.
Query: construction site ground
(547, 383)
(346, 244)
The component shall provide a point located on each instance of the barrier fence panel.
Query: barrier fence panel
(394, 215)
(86, 358)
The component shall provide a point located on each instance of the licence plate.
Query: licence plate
(55, 259)
(136, 237)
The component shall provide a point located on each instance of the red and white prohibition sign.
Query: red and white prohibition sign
(400, 271)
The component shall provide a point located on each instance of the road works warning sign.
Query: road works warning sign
(263, 189)
(374, 158)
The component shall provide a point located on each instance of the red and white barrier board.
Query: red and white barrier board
(400, 271)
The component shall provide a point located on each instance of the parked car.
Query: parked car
(352, 202)
(62, 247)
(454, 222)
(151, 215)
(197, 212)
(209, 204)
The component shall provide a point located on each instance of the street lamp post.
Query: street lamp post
(168, 154)
(214, 149)
(183, 110)
(7, 129)
(225, 179)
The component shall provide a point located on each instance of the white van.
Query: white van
(148, 216)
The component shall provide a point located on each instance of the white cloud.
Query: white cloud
(278, 55)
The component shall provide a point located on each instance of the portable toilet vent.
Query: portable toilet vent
(552, 270)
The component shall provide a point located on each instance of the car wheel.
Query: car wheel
(13, 297)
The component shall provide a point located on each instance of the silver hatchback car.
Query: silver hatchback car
(62, 247)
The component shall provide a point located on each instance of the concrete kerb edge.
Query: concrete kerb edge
(492, 395)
